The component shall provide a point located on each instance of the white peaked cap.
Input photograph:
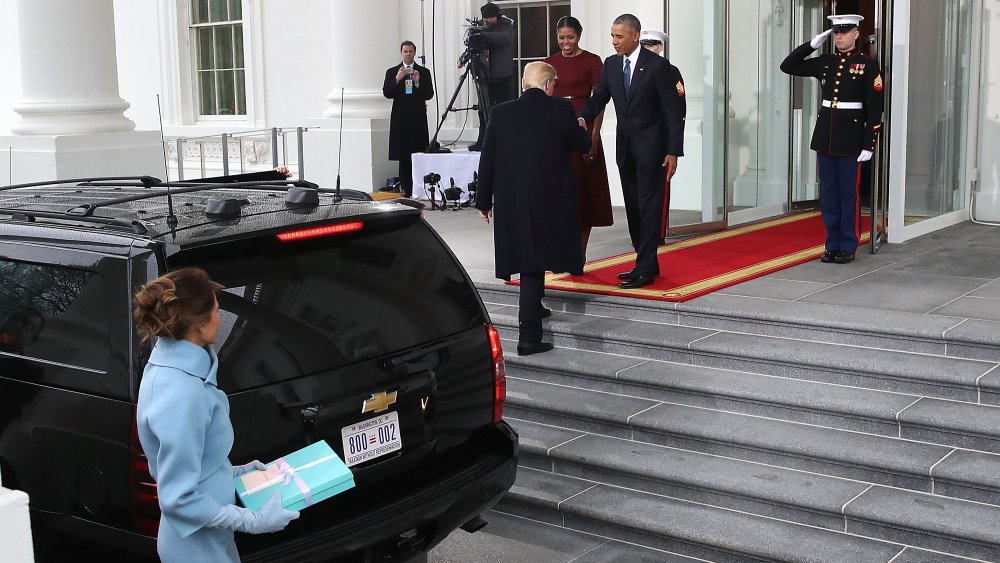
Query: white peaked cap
(845, 19)
(653, 35)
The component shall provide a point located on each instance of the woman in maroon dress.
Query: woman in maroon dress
(577, 72)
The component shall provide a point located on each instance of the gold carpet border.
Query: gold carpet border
(696, 241)
(554, 281)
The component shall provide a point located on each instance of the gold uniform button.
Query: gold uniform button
(837, 82)
(836, 90)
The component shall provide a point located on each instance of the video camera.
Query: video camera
(432, 178)
(474, 39)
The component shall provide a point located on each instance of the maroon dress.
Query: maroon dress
(576, 79)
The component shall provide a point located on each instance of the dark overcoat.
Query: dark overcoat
(408, 120)
(526, 178)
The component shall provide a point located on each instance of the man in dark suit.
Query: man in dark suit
(648, 93)
(526, 178)
(409, 87)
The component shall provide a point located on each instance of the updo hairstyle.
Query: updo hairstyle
(173, 303)
(570, 22)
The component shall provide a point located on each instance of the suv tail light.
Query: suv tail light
(323, 231)
(499, 374)
(142, 488)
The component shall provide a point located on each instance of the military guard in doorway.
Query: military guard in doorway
(847, 127)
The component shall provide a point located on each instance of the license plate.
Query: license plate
(371, 438)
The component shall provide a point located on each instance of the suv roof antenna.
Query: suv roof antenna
(340, 144)
(171, 218)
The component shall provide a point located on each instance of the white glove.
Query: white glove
(865, 156)
(817, 41)
(271, 518)
(255, 464)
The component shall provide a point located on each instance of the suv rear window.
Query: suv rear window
(292, 309)
(58, 315)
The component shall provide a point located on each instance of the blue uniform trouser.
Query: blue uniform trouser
(839, 180)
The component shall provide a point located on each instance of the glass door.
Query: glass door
(759, 36)
(808, 19)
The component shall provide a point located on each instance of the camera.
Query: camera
(432, 178)
(474, 38)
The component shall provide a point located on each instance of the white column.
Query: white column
(69, 69)
(357, 139)
(360, 59)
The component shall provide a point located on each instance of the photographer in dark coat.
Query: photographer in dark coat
(526, 181)
(497, 42)
(409, 87)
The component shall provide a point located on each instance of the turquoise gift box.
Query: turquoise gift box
(304, 477)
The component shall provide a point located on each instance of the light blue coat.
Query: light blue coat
(185, 431)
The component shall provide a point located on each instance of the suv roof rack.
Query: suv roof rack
(144, 181)
(30, 216)
(85, 212)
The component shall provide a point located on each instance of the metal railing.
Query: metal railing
(251, 148)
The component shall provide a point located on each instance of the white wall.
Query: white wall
(10, 67)
(987, 204)
(137, 42)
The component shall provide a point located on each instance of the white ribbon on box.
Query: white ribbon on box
(286, 474)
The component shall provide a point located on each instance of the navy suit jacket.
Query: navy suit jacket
(651, 116)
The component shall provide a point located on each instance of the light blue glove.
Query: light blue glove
(271, 518)
(243, 469)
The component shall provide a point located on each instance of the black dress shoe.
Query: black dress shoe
(843, 257)
(529, 348)
(546, 312)
(475, 147)
(828, 256)
(636, 282)
(626, 275)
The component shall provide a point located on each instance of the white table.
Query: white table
(459, 165)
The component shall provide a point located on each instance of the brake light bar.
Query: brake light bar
(325, 230)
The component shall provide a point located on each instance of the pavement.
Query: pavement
(954, 272)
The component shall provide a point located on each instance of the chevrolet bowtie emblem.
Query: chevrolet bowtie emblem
(378, 402)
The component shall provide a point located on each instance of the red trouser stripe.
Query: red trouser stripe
(665, 214)
(857, 206)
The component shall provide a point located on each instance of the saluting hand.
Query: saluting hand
(817, 41)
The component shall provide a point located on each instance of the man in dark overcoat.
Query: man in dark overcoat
(648, 93)
(526, 182)
(409, 87)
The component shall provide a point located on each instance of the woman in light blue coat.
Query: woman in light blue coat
(184, 426)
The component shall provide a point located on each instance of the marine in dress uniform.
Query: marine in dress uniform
(847, 127)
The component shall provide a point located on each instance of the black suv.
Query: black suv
(334, 305)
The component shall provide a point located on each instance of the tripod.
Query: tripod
(475, 67)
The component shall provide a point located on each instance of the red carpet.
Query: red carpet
(702, 264)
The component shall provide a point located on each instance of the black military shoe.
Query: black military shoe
(546, 312)
(627, 275)
(843, 257)
(828, 256)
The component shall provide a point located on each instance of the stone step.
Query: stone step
(895, 462)
(912, 518)
(885, 413)
(836, 324)
(888, 370)
(689, 528)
